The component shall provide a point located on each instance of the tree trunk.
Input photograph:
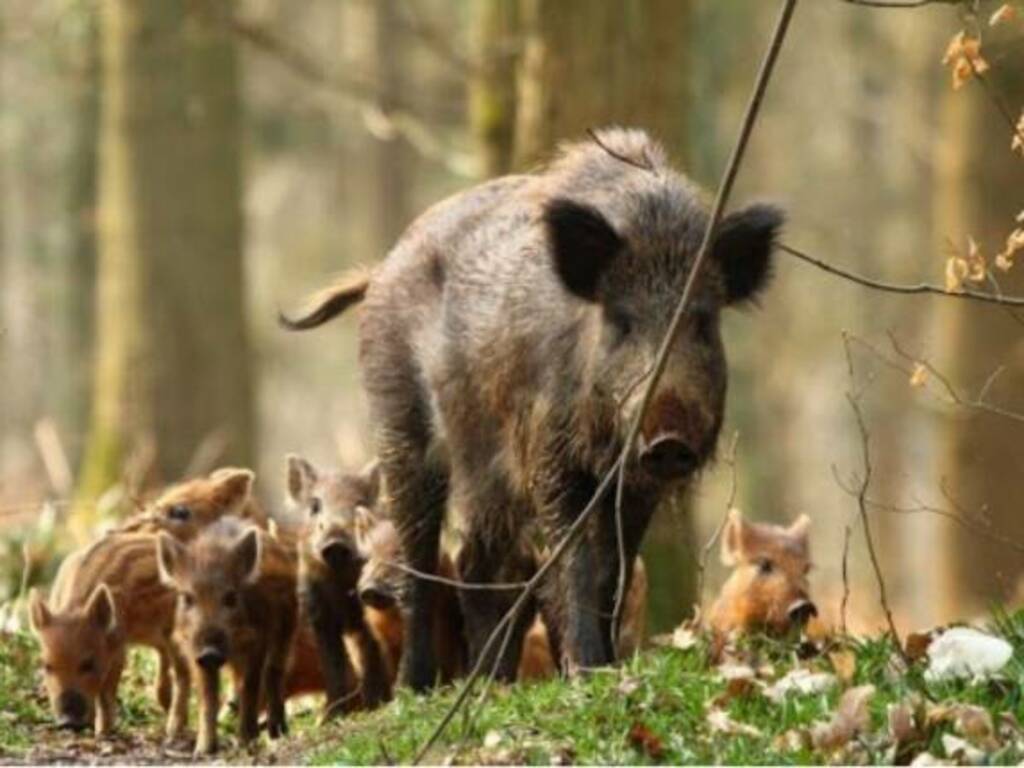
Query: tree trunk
(172, 359)
(492, 86)
(979, 196)
(588, 65)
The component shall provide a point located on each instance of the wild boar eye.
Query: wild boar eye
(230, 599)
(88, 666)
(48, 668)
(764, 567)
(188, 599)
(315, 505)
(620, 321)
(179, 512)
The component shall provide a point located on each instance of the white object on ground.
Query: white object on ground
(966, 652)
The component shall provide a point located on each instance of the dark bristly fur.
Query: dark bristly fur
(501, 342)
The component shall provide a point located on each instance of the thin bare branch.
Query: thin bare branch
(845, 602)
(702, 564)
(917, 288)
(866, 523)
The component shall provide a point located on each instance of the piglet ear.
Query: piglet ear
(583, 245)
(732, 538)
(232, 487)
(301, 478)
(743, 248)
(247, 554)
(800, 527)
(39, 616)
(169, 553)
(101, 609)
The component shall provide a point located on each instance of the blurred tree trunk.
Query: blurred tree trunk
(390, 153)
(492, 87)
(75, 303)
(979, 195)
(172, 362)
(588, 65)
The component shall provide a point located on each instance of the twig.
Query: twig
(482, 586)
(844, 603)
(646, 165)
(396, 121)
(898, 4)
(865, 522)
(918, 288)
(702, 563)
(577, 527)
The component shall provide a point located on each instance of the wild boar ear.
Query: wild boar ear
(247, 555)
(370, 475)
(301, 477)
(582, 243)
(732, 538)
(101, 608)
(743, 248)
(39, 616)
(234, 486)
(169, 553)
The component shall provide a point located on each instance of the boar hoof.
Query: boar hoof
(276, 729)
(205, 747)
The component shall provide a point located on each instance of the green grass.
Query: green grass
(666, 693)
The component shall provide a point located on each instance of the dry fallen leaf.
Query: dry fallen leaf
(902, 727)
(737, 688)
(927, 758)
(919, 375)
(1005, 12)
(720, 722)
(916, 645)
(684, 638)
(972, 722)
(801, 681)
(851, 717)
(963, 56)
(845, 664)
(647, 741)
(961, 751)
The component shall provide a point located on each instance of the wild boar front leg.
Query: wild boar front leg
(208, 683)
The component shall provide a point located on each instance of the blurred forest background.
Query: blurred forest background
(174, 172)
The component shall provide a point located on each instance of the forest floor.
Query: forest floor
(764, 702)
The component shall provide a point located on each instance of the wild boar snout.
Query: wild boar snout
(72, 710)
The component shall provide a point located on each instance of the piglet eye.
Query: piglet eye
(88, 666)
(315, 505)
(48, 668)
(188, 599)
(230, 599)
(764, 567)
(179, 512)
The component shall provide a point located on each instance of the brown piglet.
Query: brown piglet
(237, 606)
(106, 597)
(768, 587)
(330, 564)
(380, 591)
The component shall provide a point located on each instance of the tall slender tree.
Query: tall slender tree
(173, 360)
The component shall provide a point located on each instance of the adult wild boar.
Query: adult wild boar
(504, 344)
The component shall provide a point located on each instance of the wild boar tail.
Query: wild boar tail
(327, 304)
